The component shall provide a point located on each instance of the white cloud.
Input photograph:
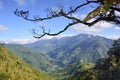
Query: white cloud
(111, 36)
(24, 41)
(24, 2)
(31, 40)
(93, 29)
(28, 40)
(117, 28)
(103, 25)
(117, 13)
(98, 27)
(20, 41)
(58, 36)
(3, 28)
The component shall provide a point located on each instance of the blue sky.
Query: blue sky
(13, 28)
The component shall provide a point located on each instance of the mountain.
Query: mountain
(13, 68)
(32, 57)
(69, 50)
(44, 46)
(106, 69)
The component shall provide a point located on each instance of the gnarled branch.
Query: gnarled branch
(109, 17)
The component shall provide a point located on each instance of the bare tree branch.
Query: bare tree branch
(78, 7)
(109, 17)
(53, 14)
(54, 34)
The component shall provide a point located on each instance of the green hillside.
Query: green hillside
(13, 68)
(105, 69)
(32, 57)
(84, 48)
(72, 70)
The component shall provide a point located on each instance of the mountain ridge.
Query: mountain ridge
(69, 50)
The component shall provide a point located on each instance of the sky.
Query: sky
(16, 29)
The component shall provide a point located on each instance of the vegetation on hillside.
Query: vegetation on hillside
(71, 71)
(106, 69)
(13, 68)
(35, 58)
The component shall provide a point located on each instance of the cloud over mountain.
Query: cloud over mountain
(94, 29)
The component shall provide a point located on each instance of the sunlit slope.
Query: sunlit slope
(35, 58)
(13, 68)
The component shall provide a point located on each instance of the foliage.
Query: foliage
(108, 69)
(71, 71)
(4, 76)
(102, 9)
(115, 50)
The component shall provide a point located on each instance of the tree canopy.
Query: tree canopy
(115, 50)
(107, 10)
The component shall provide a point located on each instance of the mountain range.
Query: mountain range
(106, 68)
(80, 57)
(53, 54)
(69, 50)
